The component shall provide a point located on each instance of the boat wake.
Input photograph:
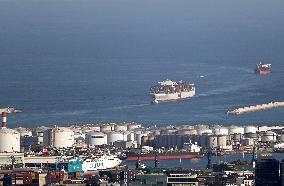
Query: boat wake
(130, 106)
(221, 91)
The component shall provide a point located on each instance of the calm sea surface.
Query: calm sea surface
(87, 61)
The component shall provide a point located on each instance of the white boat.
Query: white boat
(103, 162)
(9, 110)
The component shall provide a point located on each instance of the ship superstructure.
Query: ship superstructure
(170, 90)
(262, 68)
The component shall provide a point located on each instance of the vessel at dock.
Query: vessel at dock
(262, 68)
(103, 162)
(168, 155)
(170, 90)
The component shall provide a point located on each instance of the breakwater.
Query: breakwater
(255, 108)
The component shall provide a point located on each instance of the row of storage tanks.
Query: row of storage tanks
(61, 137)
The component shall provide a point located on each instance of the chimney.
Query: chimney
(4, 119)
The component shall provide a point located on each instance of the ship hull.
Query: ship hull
(173, 96)
(258, 71)
(165, 156)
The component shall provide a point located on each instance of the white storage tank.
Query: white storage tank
(236, 130)
(63, 137)
(250, 129)
(281, 137)
(204, 131)
(120, 127)
(9, 140)
(264, 128)
(131, 136)
(95, 138)
(95, 128)
(138, 137)
(114, 136)
(187, 132)
(222, 140)
(220, 131)
(248, 141)
(125, 135)
(201, 127)
(133, 126)
(212, 141)
(105, 128)
(186, 127)
(269, 136)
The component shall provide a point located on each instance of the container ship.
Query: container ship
(169, 155)
(263, 68)
(169, 90)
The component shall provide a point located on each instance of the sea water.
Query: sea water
(93, 61)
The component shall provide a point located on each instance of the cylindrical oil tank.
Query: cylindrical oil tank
(95, 138)
(197, 127)
(168, 131)
(138, 137)
(188, 132)
(62, 137)
(281, 137)
(133, 126)
(212, 141)
(131, 136)
(263, 128)
(236, 130)
(250, 129)
(105, 128)
(220, 131)
(96, 128)
(125, 135)
(269, 136)
(222, 140)
(24, 132)
(114, 136)
(236, 137)
(204, 131)
(251, 135)
(186, 127)
(9, 140)
(120, 127)
(248, 141)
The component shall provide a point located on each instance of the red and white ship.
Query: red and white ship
(262, 68)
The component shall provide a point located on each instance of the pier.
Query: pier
(255, 108)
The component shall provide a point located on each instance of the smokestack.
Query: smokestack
(4, 119)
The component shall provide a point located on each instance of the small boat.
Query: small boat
(262, 68)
